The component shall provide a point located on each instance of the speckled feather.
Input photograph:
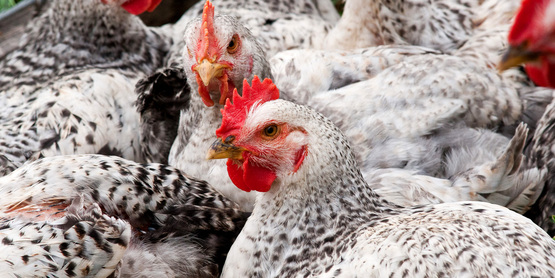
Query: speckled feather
(444, 25)
(169, 213)
(449, 87)
(277, 24)
(375, 94)
(471, 32)
(542, 154)
(161, 97)
(325, 220)
(69, 87)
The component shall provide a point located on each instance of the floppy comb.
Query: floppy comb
(208, 43)
(528, 11)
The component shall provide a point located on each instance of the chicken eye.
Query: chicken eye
(270, 131)
(233, 45)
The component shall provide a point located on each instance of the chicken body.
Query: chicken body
(320, 217)
(69, 88)
(531, 41)
(97, 216)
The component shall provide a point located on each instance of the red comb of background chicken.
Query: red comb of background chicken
(137, 7)
(234, 114)
(207, 47)
(525, 26)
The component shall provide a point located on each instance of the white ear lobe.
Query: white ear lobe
(297, 138)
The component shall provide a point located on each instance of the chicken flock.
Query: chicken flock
(403, 138)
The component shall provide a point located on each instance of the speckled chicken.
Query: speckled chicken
(100, 216)
(444, 25)
(532, 41)
(69, 87)
(217, 53)
(317, 216)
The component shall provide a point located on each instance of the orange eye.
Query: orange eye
(233, 45)
(270, 131)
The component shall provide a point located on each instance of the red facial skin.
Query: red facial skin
(535, 40)
(252, 171)
(542, 75)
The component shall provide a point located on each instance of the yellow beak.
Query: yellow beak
(220, 150)
(208, 70)
(517, 56)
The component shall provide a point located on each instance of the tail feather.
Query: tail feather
(502, 181)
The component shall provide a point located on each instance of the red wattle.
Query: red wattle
(250, 177)
(236, 175)
(226, 88)
(204, 94)
(299, 158)
(137, 7)
(543, 76)
(258, 178)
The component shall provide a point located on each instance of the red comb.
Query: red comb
(207, 46)
(524, 24)
(137, 7)
(235, 114)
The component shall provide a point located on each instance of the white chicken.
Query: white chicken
(68, 88)
(97, 216)
(317, 216)
(531, 41)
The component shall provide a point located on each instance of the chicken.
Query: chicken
(466, 51)
(442, 25)
(216, 53)
(69, 88)
(316, 215)
(478, 28)
(96, 216)
(532, 41)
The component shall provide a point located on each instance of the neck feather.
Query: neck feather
(329, 175)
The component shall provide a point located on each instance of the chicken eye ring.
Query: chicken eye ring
(234, 44)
